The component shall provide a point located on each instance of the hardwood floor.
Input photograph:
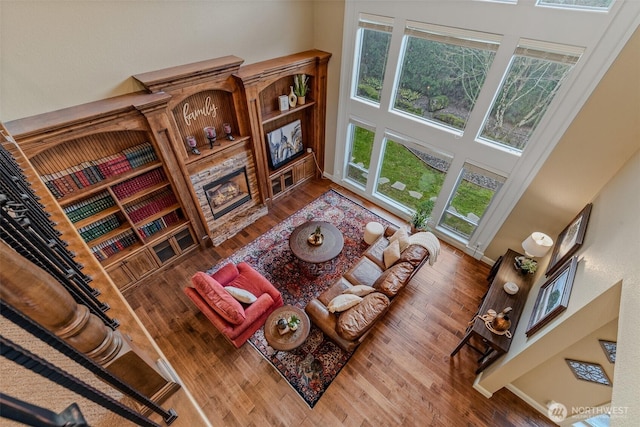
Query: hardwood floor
(401, 375)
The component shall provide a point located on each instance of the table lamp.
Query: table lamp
(537, 245)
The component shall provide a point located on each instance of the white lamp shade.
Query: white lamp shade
(537, 245)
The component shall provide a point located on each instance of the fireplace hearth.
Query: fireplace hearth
(228, 193)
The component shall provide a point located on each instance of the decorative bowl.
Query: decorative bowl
(511, 288)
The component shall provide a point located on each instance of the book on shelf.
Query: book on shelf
(88, 207)
(88, 173)
(114, 245)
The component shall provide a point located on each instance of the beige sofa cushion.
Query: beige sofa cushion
(392, 280)
(359, 319)
(343, 302)
(364, 272)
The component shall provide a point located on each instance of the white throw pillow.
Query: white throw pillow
(402, 237)
(241, 295)
(343, 302)
(360, 290)
(391, 253)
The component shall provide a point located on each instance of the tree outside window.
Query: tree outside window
(531, 82)
(442, 74)
(374, 38)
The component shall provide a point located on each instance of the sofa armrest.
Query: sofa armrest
(253, 313)
(326, 321)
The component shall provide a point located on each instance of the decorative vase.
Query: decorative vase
(301, 100)
(315, 239)
(292, 98)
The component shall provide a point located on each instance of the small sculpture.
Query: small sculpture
(316, 237)
(283, 326)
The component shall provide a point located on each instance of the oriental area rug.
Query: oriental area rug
(312, 367)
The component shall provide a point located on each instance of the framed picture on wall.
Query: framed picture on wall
(553, 297)
(569, 240)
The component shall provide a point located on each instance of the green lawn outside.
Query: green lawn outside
(400, 164)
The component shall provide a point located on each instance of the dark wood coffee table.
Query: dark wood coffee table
(331, 246)
(289, 340)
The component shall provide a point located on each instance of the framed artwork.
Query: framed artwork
(609, 348)
(571, 238)
(285, 143)
(553, 296)
(586, 371)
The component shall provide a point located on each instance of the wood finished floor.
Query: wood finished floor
(401, 375)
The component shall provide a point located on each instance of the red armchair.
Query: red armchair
(236, 321)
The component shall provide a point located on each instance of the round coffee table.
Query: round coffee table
(331, 246)
(289, 340)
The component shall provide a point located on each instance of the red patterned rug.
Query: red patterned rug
(310, 368)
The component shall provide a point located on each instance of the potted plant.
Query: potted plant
(526, 265)
(300, 87)
(421, 216)
(294, 322)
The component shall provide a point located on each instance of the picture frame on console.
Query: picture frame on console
(553, 297)
(569, 240)
(285, 143)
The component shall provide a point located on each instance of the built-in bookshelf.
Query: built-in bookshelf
(109, 177)
(264, 83)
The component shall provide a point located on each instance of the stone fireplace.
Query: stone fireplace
(226, 189)
(228, 193)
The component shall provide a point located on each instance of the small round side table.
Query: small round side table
(289, 340)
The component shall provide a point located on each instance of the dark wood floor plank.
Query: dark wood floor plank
(401, 375)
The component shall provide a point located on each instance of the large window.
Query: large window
(462, 102)
(472, 195)
(443, 70)
(531, 82)
(374, 38)
(408, 175)
(361, 144)
(578, 4)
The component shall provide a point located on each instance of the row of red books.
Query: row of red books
(148, 207)
(114, 245)
(87, 173)
(133, 185)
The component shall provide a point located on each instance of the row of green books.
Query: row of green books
(99, 228)
(90, 206)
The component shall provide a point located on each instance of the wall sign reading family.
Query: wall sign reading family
(190, 113)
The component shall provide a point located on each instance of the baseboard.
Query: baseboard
(528, 399)
(483, 391)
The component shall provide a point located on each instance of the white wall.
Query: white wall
(607, 284)
(56, 54)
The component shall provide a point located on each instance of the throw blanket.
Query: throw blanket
(429, 241)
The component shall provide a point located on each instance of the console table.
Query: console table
(497, 299)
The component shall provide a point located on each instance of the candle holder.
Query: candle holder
(210, 133)
(192, 143)
(226, 127)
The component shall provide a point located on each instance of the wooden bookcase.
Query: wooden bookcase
(263, 83)
(102, 164)
(135, 192)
